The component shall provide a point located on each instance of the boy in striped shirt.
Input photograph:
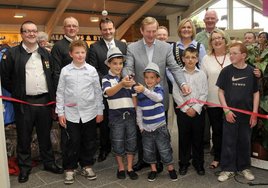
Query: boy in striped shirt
(152, 122)
(122, 101)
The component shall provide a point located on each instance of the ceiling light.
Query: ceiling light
(94, 19)
(19, 15)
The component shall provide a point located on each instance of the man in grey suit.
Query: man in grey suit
(97, 55)
(146, 50)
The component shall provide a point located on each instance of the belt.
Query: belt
(36, 96)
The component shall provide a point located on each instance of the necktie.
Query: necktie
(109, 45)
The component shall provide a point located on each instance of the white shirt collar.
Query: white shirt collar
(29, 50)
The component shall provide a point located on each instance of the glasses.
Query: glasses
(217, 38)
(30, 31)
(71, 26)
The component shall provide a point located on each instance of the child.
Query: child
(79, 107)
(152, 122)
(238, 88)
(191, 117)
(121, 100)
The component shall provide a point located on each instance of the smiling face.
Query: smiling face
(190, 59)
(151, 79)
(186, 31)
(29, 33)
(162, 34)
(79, 55)
(71, 27)
(116, 65)
(149, 33)
(107, 30)
(210, 20)
(218, 41)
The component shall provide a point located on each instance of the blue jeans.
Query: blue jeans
(157, 140)
(123, 134)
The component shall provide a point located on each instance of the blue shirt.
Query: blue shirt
(79, 93)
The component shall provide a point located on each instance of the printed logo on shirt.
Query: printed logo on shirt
(237, 79)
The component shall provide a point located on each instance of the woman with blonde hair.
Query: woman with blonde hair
(212, 64)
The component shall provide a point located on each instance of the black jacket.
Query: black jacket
(13, 74)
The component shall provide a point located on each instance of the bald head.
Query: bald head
(211, 19)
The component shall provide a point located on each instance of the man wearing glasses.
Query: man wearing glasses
(26, 72)
(60, 51)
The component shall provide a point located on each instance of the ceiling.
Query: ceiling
(51, 13)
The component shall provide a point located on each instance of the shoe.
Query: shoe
(248, 174)
(200, 170)
(173, 175)
(152, 176)
(121, 174)
(69, 177)
(224, 175)
(53, 168)
(102, 156)
(183, 170)
(132, 175)
(23, 177)
(159, 167)
(88, 173)
(140, 165)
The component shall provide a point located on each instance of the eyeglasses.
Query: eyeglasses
(71, 26)
(217, 38)
(30, 31)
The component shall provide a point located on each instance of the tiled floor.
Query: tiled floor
(106, 176)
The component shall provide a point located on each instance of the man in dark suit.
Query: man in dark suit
(97, 55)
(27, 73)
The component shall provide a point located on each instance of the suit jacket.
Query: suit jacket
(98, 54)
(137, 60)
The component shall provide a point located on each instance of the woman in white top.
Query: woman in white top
(212, 64)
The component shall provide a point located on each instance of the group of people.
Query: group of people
(123, 89)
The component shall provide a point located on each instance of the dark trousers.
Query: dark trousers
(105, 142)
(216, 120)
(140, 146)
(191, 131)
(235, 155)
(26, 118)
(79, 144)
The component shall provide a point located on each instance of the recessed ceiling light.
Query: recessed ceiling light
(94, 19)
(19, 15)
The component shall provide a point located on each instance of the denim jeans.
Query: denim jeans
(158, 139)
(123, 134)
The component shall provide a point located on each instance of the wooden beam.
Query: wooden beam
(54, 19)
(134, 17)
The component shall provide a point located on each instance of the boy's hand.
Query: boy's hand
(62, 121)
(139, 88)
(230, 116)
(191, 112)
(99, 118)
(127, 82)
(253, 121)
(186, 90)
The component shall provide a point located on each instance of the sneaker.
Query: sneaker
(69, 177)
(248, 174)
(152, 176)
(173, 175)
(121, 174)
(132, 175)
(224, 175)
(88, 173)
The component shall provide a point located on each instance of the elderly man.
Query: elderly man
(147, 50)
(26, 72)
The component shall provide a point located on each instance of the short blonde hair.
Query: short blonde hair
(147, 21)
(223, 34)
(70, 18)
(182, 23)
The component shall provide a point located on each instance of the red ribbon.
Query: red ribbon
(190, 101)
(25, 102)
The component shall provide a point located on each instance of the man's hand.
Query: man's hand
(257, 72)
(230, 116)
(186, 90)
(253, 121)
